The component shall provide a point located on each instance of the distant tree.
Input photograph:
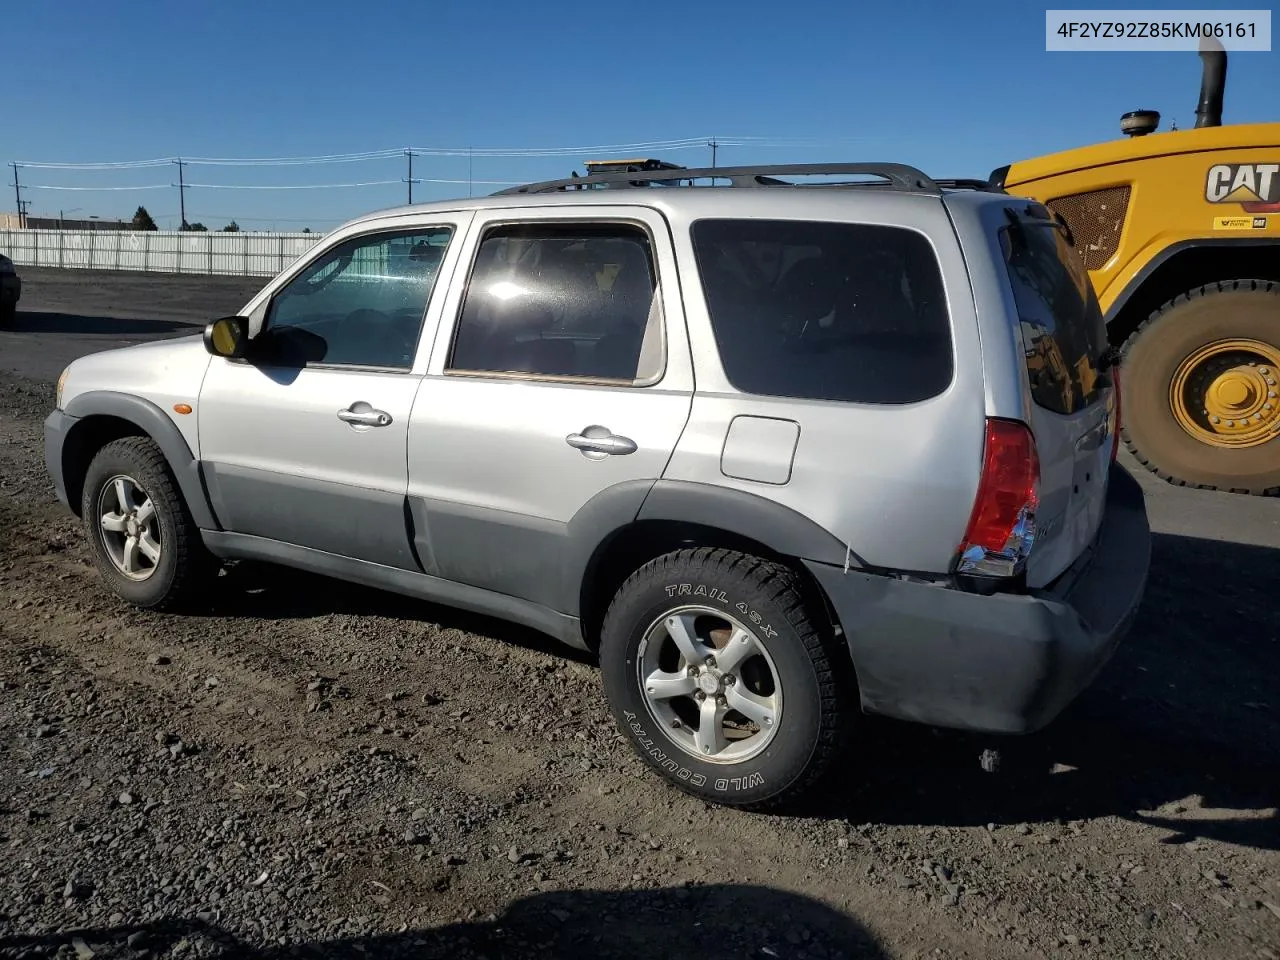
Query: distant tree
(195, 227)
(142, 220)
(231, 227)
(306, 229)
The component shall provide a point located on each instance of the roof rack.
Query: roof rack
(969, 183)
(640, 163)
(897, 176)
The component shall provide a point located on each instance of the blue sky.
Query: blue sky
(956, 90)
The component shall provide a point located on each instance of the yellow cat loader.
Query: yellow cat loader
(1180, 232)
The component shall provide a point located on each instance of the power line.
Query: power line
(684, 143)
(118, 165)
(290, 186)
(187, 185)
(291, 161)
(142, 186)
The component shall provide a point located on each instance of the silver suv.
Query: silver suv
(780, 452)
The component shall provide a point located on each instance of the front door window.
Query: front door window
(360, 304)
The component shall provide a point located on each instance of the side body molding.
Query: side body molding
(150, 418)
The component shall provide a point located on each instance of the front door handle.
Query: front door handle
(597, 442)
(360, 414)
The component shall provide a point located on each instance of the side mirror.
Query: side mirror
(227, 337)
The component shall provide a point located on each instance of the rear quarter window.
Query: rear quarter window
(1063, 331)
(826, 311)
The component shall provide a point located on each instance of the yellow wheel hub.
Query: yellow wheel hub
(1225, 393)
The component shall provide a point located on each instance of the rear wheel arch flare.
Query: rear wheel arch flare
(629, 548)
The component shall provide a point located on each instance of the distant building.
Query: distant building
(11, 221)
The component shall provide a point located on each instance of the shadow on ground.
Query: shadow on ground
(267, 592)
(30, 321)
(1187, 711)
(1186, 717)
(706, 923)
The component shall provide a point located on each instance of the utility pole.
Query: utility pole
(714, 146)
(410, 181)
(182, 196)
(470, 157)
(17, 196)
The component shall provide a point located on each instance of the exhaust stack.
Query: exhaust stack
(1212, 84)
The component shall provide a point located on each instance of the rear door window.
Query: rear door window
(1063, 332)
(576, 300)
(826, 311)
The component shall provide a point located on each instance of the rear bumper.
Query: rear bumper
(1000, 664)
(10, 288)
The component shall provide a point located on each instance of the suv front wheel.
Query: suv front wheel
(723, 680)
(143, 540)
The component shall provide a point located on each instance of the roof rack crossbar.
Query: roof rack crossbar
(899, 176)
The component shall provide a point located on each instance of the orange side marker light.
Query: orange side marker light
(182, 408)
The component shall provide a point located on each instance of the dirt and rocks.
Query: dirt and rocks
(313, 769)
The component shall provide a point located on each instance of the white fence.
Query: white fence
(232, 254)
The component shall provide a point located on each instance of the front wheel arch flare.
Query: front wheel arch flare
(139, 417)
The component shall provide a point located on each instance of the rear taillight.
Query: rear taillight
(1115, 425)
(1002, 527)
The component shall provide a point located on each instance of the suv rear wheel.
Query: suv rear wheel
(723, 680)
(143, 540)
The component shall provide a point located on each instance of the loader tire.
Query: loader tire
(1199, 380)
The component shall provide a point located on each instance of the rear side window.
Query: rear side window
(825, 311)
(1063, 332)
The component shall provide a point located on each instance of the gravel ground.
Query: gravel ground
(315, 769)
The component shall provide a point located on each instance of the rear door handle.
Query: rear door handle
(360, 414)
(597, 442)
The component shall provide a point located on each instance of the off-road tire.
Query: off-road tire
(185, 567)
(1244, 309)
(819, 692)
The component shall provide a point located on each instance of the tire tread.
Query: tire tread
(192, 562)
(780, 586)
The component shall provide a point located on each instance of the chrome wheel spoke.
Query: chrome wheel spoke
(709, 738)
(680, 630)
(146, 511)
(150, 549)
(759, 710)
(113, 523)
(742, 645)
(129, 556)
(123, 491)
(663, 686)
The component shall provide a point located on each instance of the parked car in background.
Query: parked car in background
(780, 453)
(10, 290)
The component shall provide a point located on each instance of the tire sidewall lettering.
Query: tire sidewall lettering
(692, 590)
(784, 759)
